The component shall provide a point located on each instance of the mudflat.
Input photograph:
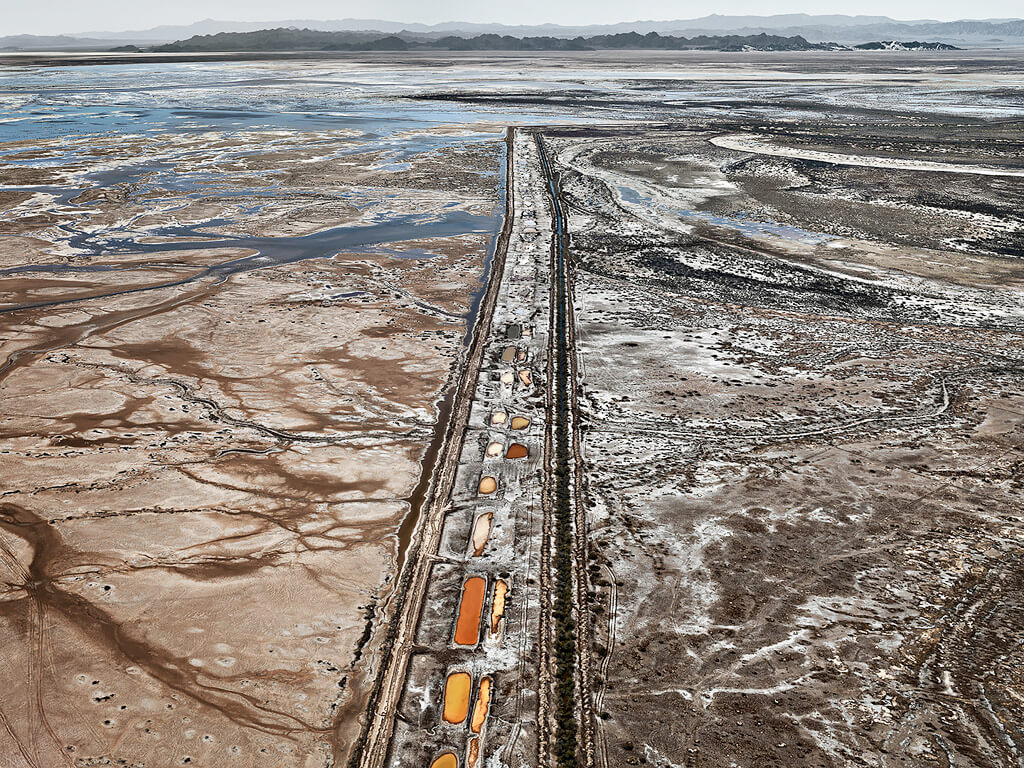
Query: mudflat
(222, 356)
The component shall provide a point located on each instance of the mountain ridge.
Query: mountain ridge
(290, 39)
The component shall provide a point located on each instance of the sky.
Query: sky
(72, 16)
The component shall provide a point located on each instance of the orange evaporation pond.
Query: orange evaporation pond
(525, 377)
(521, 356)
(467, 627)
(488, 484)
(499, 417)
(447, 760)
(520, 422)
(456, 697)
(481, 532)
(473, 753)
(517, 451)
(494, 449)
(483, 701)
(498, 607)
(508, 354)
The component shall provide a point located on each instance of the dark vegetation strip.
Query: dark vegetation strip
(566, 727)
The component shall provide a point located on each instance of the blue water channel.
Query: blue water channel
(343, 113)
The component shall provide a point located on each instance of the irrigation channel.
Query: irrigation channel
(372, 746)
(491, 611)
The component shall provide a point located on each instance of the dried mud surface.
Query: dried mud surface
(220, 357)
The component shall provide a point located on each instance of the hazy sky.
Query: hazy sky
(57, 16)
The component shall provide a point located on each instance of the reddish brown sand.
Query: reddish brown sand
(516, 451)
(446, 760)
(467, 628)
(498, 605)
(456, 697)
(483, 702)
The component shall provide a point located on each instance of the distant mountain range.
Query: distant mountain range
(286, 39)
(712, 22)
(813, 28)
(289, 39)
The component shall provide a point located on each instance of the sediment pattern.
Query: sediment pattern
(220, 366)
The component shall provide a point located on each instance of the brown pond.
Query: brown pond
(498, 605)
(456, 697)
(481, 532)
(488, 484)
(508, 355)
(467, 626)
(520, 422)
(447, 760)
(517, 451)
(483, 701)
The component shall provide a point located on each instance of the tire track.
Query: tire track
(613, 610)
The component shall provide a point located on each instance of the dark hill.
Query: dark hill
(288, 39)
